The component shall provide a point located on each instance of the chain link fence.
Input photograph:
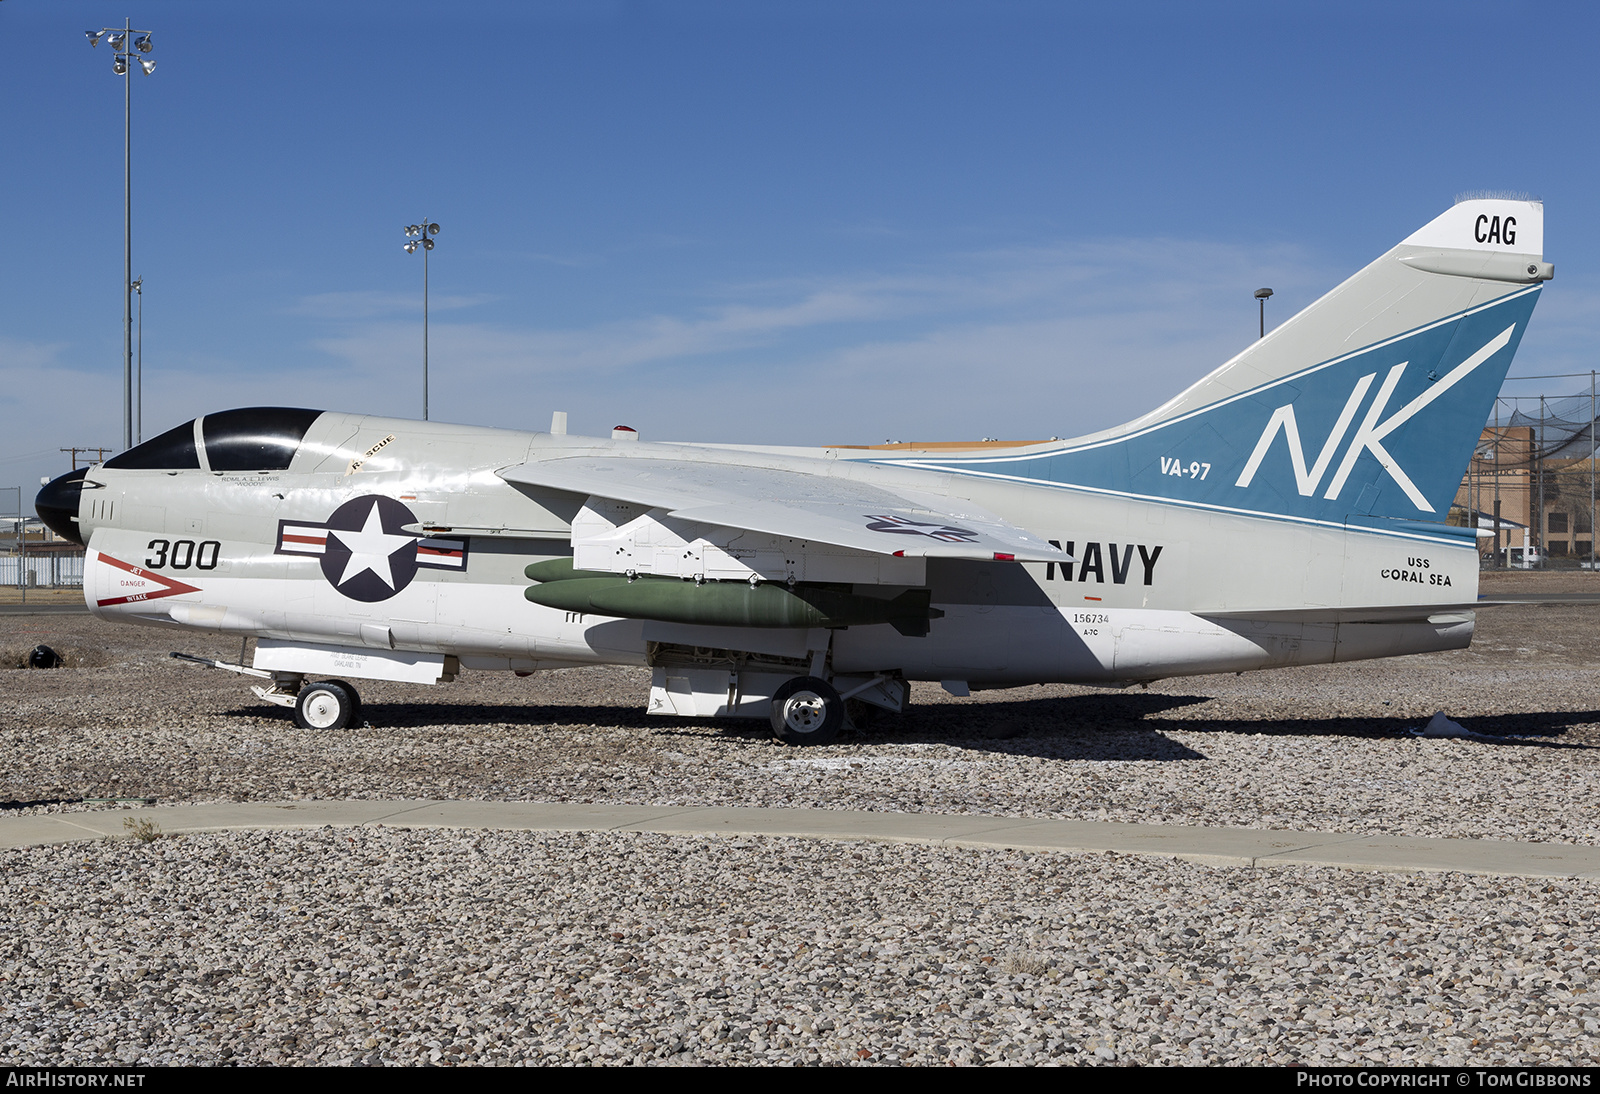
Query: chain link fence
(1531, 488)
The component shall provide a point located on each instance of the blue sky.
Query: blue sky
(751, 222)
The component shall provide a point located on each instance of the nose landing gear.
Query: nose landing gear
(327, 704)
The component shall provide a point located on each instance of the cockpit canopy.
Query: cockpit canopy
(257, 438)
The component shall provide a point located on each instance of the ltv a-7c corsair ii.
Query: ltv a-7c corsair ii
(1287, 509)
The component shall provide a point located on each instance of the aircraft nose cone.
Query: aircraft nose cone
(57, 505)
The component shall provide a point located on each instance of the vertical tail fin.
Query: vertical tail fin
(1367, 404)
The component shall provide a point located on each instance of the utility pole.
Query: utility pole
(1497, 488)
(421, 235)
(20, 527)
(1540, 521)
(138, 371)
(99, 452)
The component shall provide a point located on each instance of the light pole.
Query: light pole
(421, 235)
(125, 54)
(1261, 295)
(138, 370)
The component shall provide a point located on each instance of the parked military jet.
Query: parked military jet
(1287, 509)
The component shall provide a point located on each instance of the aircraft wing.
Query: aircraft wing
(819, 508)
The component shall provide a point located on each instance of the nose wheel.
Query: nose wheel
(807, 711)
(328, 704)
(355, 701)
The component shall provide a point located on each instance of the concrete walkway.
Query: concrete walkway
(1214, 846)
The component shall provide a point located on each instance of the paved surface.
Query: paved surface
(1214, 846)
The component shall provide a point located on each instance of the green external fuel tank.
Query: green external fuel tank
(723, 603)
(560, 569)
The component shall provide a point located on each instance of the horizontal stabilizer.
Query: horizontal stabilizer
(1403, 613)
(1382, 613)
(811, 507)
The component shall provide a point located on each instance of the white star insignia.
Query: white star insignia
(370, 548)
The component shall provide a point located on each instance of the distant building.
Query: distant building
(1542, 500)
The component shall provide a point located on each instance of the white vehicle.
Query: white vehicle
(1525, 558)
(1287, 509)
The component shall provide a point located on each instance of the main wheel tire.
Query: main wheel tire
(323, 705)
(355, 701)
(807, 711)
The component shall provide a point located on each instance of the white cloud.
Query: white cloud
(369, 304)
(1040, 341)
(19, 355)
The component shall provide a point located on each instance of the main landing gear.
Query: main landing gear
(807, 711)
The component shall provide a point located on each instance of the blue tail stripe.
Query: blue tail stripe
(1420, 400)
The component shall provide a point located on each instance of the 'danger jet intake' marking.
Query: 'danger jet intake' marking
(365, 553)
(142, 585)
(1090, 562)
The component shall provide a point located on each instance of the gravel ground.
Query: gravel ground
(420, 946)
(387, 946)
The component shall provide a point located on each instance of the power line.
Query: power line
(86, 448)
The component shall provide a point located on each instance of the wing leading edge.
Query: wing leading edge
(819, 508)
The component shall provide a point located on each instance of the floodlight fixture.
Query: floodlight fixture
(1261, 295)
(94, 36)
(148, 66)
(411, 248)
(120, 66)
(433, 229)
(142, 43)
(117, 40)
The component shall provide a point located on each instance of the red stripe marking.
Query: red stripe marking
(321, 540)
(1091, 598)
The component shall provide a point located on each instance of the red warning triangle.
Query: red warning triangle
(150, 586)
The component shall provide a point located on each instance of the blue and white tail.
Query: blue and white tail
(1364, 406)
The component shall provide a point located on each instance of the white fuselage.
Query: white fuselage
(1152, 590)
